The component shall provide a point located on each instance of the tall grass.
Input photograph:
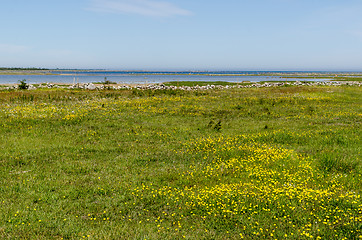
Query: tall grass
(276, 163)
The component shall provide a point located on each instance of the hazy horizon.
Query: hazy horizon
(178, 70)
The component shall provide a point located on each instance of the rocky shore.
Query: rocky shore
(91, 86)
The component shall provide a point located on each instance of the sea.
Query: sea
(151, 77)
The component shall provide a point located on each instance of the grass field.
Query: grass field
(200, 83)
(267, 163)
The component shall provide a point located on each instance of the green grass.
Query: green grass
(267, 163)
(105, 82)
(357, 79)
(199, 83)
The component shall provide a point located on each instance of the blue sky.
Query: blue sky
(182, 35)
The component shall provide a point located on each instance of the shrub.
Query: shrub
(23, 85)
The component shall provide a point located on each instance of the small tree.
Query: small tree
(23, 85)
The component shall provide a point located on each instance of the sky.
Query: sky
(182, 35)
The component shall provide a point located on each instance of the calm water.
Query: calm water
(140, 77)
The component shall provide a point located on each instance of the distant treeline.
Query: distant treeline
(23, 69)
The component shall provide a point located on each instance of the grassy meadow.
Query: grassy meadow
(256, 163)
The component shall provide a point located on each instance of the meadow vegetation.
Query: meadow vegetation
(200, 83)
(256, 163)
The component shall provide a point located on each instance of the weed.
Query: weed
(217, 126)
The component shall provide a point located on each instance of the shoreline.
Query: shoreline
(290, 74)
(175, 86)
(62, 77)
